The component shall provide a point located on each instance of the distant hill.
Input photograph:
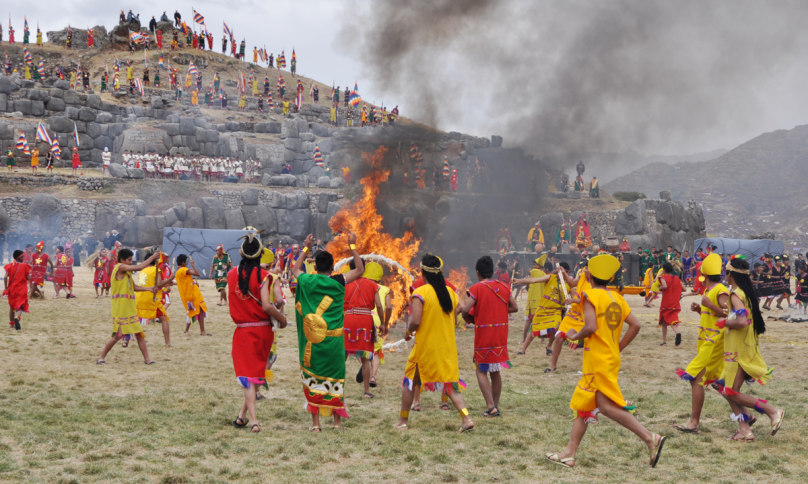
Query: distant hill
(608, 166)
(760, 185)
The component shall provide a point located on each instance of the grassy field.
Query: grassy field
(65, 420)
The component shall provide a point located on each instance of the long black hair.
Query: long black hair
(744, 283)
(438, 283)
(248, 266)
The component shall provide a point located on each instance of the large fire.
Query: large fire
(361, 218)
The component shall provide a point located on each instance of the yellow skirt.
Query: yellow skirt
(573, 320)
(127, 325)
(710, 358)
(546, 321)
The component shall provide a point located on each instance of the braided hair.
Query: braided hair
(249, 266)
(436, 280)
(744, 283)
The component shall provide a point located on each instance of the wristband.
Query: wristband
(352, 246)
(409, 334)
(305, 249)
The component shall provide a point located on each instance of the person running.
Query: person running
(40, 263)
(669, 308)
(491, 301)
(191, 296)
(320, 332)
(101, 273)
(574, 317)
(432, 363)
(743, 361)
(548, 314)
(534, 293)
(63, 273)
(375, 272)
(361, 300)
(125, 320)
(219, 268)
(708, 365)
(15, 284)
(251, 310)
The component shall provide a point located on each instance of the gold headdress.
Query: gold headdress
(434, 270)
(251, 248)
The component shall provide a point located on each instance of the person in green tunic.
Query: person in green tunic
(25, 37)
(241, 49)
(35, 73)
(319, 313)
(189, 39)
(219, 268)
(104, 82)
(207, 98)
(10, 159)
(157, 79)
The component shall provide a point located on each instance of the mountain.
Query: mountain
(758, 186)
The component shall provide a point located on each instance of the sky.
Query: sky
(656, 76)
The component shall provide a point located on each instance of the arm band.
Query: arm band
(353, 246)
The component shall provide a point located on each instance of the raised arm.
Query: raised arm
(192, 271)
(301, 258)
(356, 273)
(532, 280)
(139, 267)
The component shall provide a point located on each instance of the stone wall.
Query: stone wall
(44, 181)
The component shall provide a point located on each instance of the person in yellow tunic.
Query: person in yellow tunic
(192, 300)
(285, 106)
(34, 159)
(432, 363)
(548, 314)
(534, 293)
(598, 391)
(255, 87)
(150, 307)
(742, 359)
(73, 80)
(194, 98)
(38, 38)
(27, 73)
(125, 319)
(130, 74)
(574, 319)
(651, 284)
(374, 272)
(535, 238)
(708, 364)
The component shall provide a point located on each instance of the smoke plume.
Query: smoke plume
(559, 78)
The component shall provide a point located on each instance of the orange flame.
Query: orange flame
(361, 218)
(459, 279)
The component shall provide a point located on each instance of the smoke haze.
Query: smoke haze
(559, 78)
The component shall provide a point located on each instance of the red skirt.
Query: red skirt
(38, 275)
(63, 277)
(669, 316)
(18, 301)
(360, 333)
(251, 347)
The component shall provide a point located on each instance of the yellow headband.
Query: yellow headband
(434, 270)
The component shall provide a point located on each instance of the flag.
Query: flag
(57, 152)
(311, 89)
(22, 144)
(61, 74)
(294, 56)
(76, 133)
(355, 97)
(139, 86)
(192, 69)
(299, 100)
(161, 61)
(318, 157)
(27, 56)
(270, 104)
(41, 68)
(199, 18)
(227, 30)
(282, 61)
(137, 37)
(25, 25)
(42, 134)
(333, 91)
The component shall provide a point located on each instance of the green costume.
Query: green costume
(220, 271)
(321, 342)
(562, 235)
(10, 160)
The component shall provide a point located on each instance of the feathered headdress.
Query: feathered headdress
(251, 247)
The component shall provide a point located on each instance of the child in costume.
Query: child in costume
(15, 285)
(191, 296)
(548, 314)
(598, 391)
(671, 288)
(743, 361)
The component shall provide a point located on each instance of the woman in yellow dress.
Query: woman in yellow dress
(432, 363)
(150, 307)
(548, 313)
(742, 359)
(534, 293)
(194, 98)
(598, 391)
(34, 159)
(125, 319)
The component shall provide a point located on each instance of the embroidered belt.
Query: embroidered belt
(253, 325)
(491, 325)
(363, 311)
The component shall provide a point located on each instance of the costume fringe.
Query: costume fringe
(246, 381)
(325, 411)
(363, 354)
(684, 375)
(766, 376)
(632, 409)
(270, 377)
(494, 367)
(589, 417)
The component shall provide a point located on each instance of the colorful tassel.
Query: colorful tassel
(758, 408)
(684, 375)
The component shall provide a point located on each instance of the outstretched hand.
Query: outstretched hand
(352, 238)
(309, 241)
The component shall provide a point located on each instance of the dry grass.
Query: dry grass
(64, 419)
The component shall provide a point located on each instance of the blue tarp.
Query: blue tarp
(201, 245)
(752, 249)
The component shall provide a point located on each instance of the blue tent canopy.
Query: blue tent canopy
(752, 249)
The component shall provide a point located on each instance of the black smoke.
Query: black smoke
(560, 78)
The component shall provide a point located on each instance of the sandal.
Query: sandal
(657, 449)
(17, 324)
(260, 397)
(401, 427)
(149, 362)
(444, 406)
(315, 428)
(562, 462)
(777, 422)
(687, 430)
(100, 362)
(338, 427)
(492, 412)
(549, 370)
(678, 339)
(548, 352)
(238, 425)
(255, 426)
(416, 407)
(467, 428)
(368, 395)
(372, 382)
(752, 420)
(519, 353)
(663, 344)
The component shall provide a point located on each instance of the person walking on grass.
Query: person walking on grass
(671, 287)
(432, 363)
(319, 315)
(191, 296)
(220, 267)
(125, 320)
(15, 285)
(491, 302)
(605, 312)
(251, 310)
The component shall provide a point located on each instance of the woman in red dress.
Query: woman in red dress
(101, 274)
(16, 288)
(76, 160)
(669, 307)
(251, 310)
(63, 275)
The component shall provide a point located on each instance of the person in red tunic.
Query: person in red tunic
(159, 36)
(669, 308)
(502, 273)
(40, 263)
(63, 275)
(113, 259)
(165, 274)
(361, 298)
(90, 39)
(16, 288)
(251, 310)
(101, 273)
(454, 179)
(491, 301)
(76, 160)
(624, 246)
